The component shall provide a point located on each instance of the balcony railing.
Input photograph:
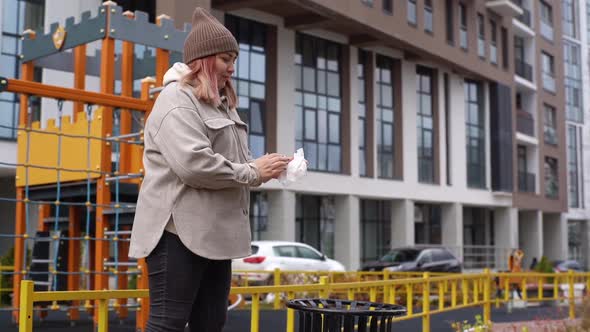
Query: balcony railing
(546, 30)
(526, 182)
(523, 69)
(548, 82)
(525, 18)
(525, 123)
(550, 135)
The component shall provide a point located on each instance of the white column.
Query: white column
(457, 142)
(402, 223)
(286, 120)
(452, 228)
(354, 128)
(555, 236)
(505, 233)
(530, 236)
(347, 231)
(281, 216)
(409, 107)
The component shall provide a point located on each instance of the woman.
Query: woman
(192, 212)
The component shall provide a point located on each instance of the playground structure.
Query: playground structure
(81, 173)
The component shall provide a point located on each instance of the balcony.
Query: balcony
(523, 69)
(526, 182)
(525, 123)
(504, 7)
(525, 17)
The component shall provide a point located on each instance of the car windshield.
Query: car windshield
(400, 256)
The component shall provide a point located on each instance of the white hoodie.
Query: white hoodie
(176, 73)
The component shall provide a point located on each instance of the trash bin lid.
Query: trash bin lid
(347, 307)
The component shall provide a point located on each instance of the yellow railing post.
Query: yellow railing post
(25, 321)
(277, 282)
(464, 290)
(373, 294)
(572, 302)
(453, 293)
(254, 323)
(487, 303)
(103, 315)
(386, 287)
(410, 298)
(324, 291)
(426, 303)
(290, 314)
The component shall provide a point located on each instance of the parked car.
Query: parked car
(566, 265)
(287, 256)
(416, 259)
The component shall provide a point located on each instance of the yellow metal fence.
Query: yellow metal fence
(423, 295)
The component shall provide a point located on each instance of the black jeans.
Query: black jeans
(185, 287)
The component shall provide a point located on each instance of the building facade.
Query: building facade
(424, 122)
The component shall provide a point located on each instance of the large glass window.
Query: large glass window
(493, 42)
(462, 26)
(388, 6)
(385, 117)
(481, 36)
(548, 69)
(475, 130)
(550, 126)
(427, 224)
(569, 18)
(546, 20)
(449, 21)
(573, 82)
(314, 222)
(17, 15)
(318, 102)
(258, 215)
(425, 125)
(361, 70)
(551, 178)
(250, 78)
(412, 12)
(572, 161)
(375, 229)
(428, 16)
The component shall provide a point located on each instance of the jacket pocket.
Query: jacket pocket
(222, 135)
(218, 123)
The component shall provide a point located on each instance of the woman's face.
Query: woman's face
(224, 67)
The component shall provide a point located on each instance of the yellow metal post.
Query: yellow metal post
(441, 296)
(25, 322)
(290, 314)
(487, 303)
(277, 282)
(453, 293)
(103, 315)
(324, 291)
(392, 294)
(540, 288)
(523, 289)
(464, 291)
(350, 294)
(410, 298)
(426, 303)
(373, 294)
(254, 324)
(572, 303)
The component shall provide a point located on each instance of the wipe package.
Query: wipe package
(296, 169)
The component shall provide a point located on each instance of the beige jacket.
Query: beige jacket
(197, 173)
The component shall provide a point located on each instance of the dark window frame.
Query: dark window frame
(384, 63)
(476, 169)
(423, 118)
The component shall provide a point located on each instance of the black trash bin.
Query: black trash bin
(334, 315)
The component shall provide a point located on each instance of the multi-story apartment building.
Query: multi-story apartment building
(424, 122)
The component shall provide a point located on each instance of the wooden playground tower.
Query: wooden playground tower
(66, 169)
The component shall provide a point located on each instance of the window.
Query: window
(427, 224)
(258, 214)
(546, 20)
(385, 117)
(505, 60)
(493, 42)
(368, 2)
(250, 79)
(428, 15)
(304, 252)
(551, 178)
(572, 167)
(425, 125)
(17, 15)
(573, 82)
(548, 69)
(362, 66)
(448, 142)
(450, 22)
(375, 229)
(569, 18)
(526, 180)
(388, 6)
(285, 251)
(412, 12)
(550, 127)
(314, 222)
(462, 26)
(475, 129)
(481, 36)
(318, 102)
(521, 67)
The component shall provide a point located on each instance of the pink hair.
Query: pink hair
(204, 77)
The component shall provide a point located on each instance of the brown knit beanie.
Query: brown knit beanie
(207, 37)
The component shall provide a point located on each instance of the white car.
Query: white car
(287, 256)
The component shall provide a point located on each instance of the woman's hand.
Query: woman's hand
(270, 166)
